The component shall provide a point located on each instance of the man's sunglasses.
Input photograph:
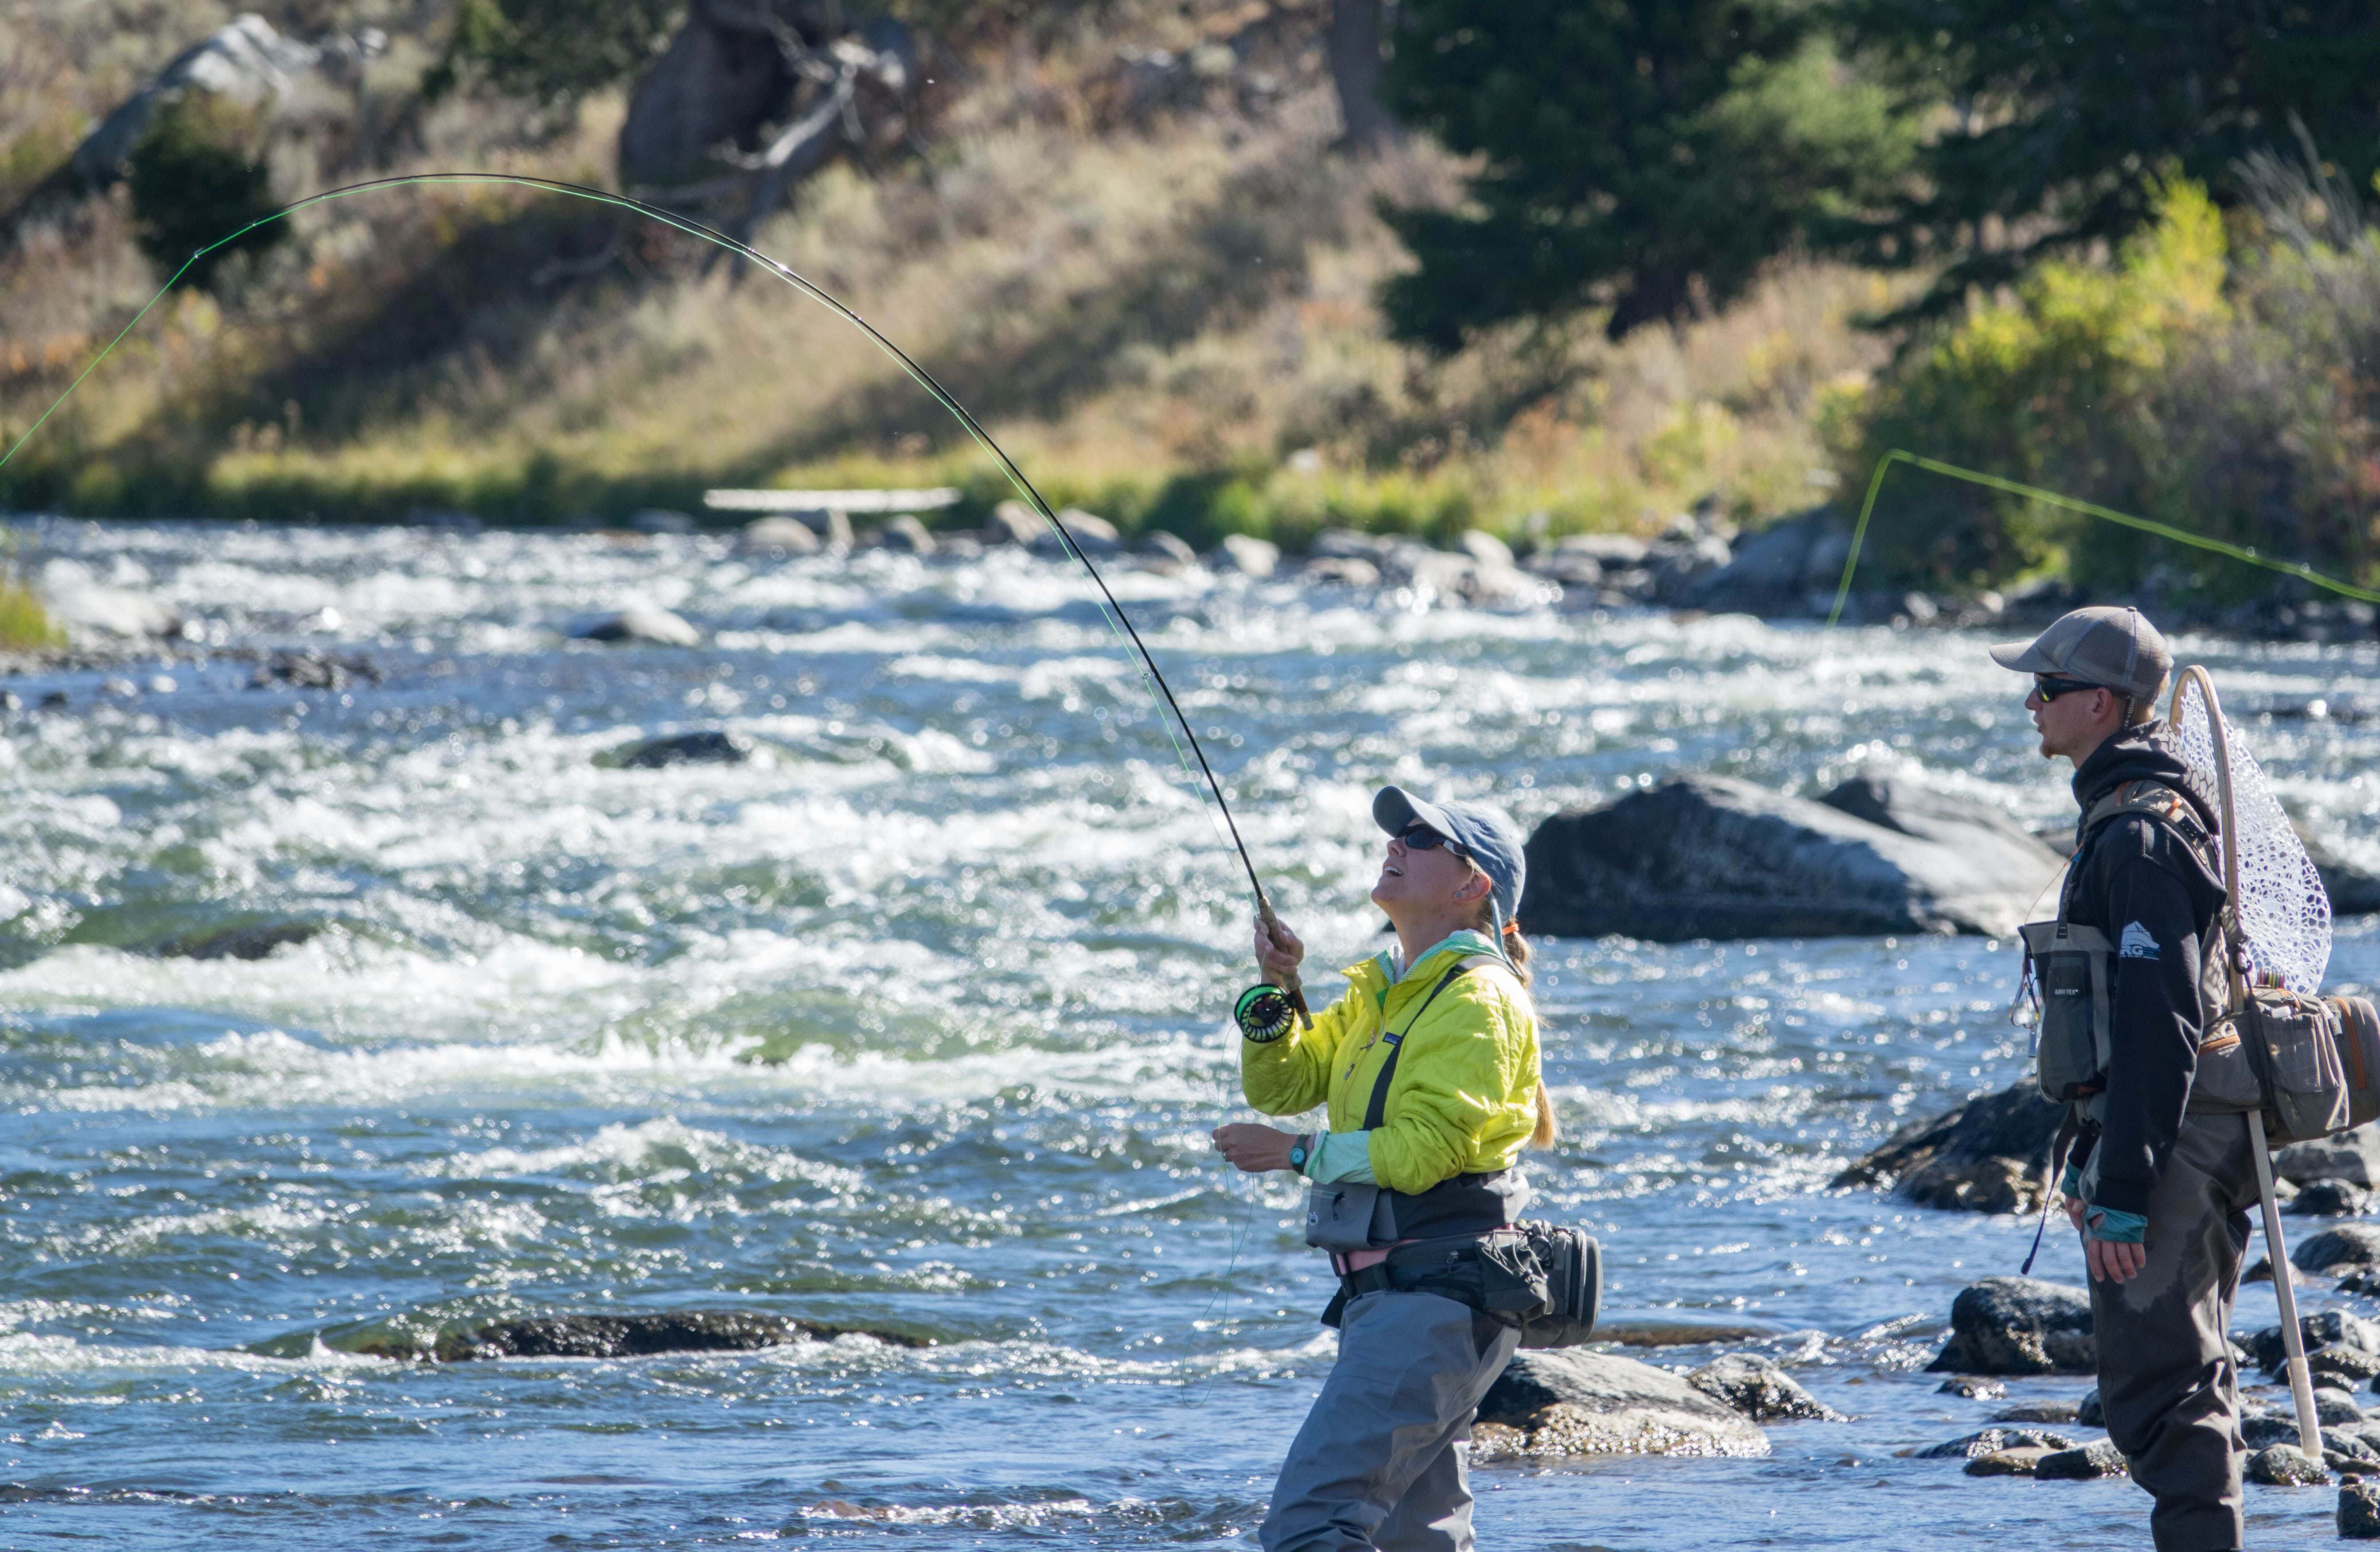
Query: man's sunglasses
(2049, 687)
(1420, 837)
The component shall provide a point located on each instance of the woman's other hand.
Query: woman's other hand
(1254, 1148)
(1278, 951)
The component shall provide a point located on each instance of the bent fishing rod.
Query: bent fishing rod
(973, 428)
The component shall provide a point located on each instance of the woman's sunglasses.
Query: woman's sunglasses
(2049, 688)
(1421, 838)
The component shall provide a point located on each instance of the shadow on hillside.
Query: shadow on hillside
(1220, 265)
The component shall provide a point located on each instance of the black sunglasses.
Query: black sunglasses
(1420, 837)
(2049, 687)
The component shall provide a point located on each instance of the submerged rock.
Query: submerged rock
(252, 937)
(636, 623)
(1572, 1401)
(707, 746)
(623, 1336)
(313, 671)
(1758, 1389)
(2099, 1458)
(1989, 1154)
(2019, 1326)
(1714, 856)
(1984, 1441)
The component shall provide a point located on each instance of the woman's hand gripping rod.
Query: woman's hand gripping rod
(1277, 953)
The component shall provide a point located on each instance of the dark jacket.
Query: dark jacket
(2139, 882)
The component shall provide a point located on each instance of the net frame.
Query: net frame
(2279, 909)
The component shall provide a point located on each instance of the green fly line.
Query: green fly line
(2090, 509)
(1160, 694)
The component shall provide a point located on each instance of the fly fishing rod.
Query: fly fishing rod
(983, 439)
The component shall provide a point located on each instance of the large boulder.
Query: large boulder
(1715, 857)
(2353, 1156)
(2019, 1326)
(1989, 1154)
(1572, 1401)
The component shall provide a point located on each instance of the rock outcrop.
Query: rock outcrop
(1989, 1154)
(1715, 857)
(2019, 1326)
(1572, 1401)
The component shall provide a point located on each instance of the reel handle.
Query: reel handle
(1293, 986)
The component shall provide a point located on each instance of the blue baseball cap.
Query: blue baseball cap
(1485, 835)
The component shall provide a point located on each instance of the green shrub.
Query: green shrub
(2060, 387)
(24, 624)
(196, 175)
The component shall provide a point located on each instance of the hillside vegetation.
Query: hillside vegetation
(1171, 316)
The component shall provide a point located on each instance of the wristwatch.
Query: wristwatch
(1298, 1153)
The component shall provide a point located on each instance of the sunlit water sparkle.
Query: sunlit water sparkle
(917, 1021)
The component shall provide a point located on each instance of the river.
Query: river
(918, 1020)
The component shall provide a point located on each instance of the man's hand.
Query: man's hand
(1277, 953)
(1254, 1148)
(2074, 1212)
(2112, 1260)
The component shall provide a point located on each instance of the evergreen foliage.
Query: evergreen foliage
(2072, 113)
(1647, 156)
(196, 174)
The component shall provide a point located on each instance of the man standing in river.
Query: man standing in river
(2132, 978)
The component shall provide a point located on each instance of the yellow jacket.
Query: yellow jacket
(1466, 1092)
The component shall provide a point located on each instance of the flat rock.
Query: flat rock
(2020, 1462)
(2098, 1459)
(2348, 1247)
(2019, 1326)
(2039, 1412)
(2353, 1156)
(1989, 1154)
(706, 746)
(1715, 857)
(1572, 1401)
(1984, 1441)
(2285, 1465)
(638, 622)
(637, 1335)
(1757, 1387)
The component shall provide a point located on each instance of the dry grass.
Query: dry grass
(1172, 322)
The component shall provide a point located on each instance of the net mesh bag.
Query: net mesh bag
(2284, 911)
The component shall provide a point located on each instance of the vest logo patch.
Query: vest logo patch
(2136, 943)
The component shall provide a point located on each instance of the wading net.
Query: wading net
(2284, 911)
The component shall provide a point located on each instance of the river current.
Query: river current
(917, 1021)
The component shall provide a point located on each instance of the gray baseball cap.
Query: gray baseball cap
(2115, 648)
(1486, 836)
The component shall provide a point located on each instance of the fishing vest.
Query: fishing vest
(2072, 967)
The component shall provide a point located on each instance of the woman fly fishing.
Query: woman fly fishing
(1430, 1066)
